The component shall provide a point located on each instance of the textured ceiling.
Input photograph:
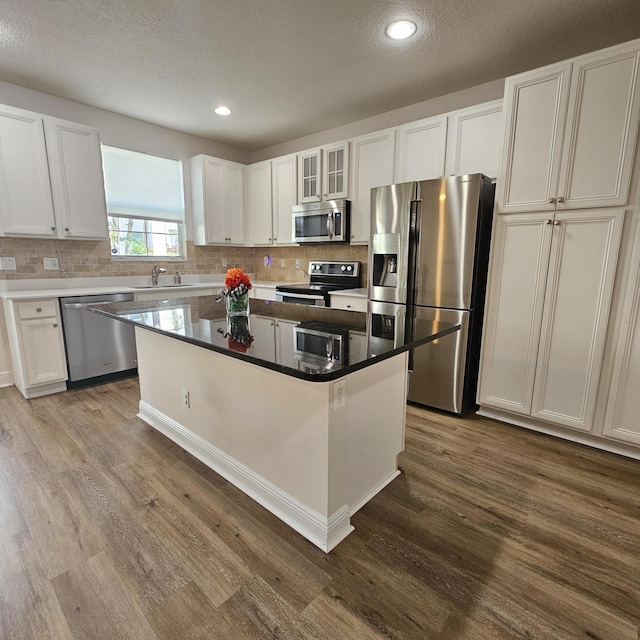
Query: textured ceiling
(286, 68)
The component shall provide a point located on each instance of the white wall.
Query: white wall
(436, 106)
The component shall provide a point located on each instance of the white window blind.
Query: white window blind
(140, 185)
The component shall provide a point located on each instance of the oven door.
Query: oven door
(301, 298)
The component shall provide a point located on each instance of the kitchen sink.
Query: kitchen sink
(159, 286)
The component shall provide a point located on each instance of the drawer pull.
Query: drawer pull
(38, 309)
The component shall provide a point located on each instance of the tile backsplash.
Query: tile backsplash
(88, 258)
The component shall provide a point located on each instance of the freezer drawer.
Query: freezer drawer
(438, 369)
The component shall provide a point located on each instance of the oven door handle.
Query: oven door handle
(305, 296)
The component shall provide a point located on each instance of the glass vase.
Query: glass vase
(237, 305)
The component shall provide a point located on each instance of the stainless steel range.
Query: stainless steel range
(324, 277)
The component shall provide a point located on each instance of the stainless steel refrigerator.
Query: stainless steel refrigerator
(428, 258)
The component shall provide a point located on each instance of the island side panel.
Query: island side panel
(376, 400)
(275, 425)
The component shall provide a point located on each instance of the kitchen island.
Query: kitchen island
(302, 408)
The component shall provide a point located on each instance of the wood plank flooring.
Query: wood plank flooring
(109, 531)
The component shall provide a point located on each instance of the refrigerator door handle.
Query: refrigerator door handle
(414, 237)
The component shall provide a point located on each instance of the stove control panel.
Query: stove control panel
(323, 268)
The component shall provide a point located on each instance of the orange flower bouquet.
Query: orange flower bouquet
(236, 291)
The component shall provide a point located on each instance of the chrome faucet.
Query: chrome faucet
(155, 272)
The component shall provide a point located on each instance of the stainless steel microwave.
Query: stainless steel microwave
(326, 221)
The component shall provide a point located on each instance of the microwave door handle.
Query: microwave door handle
(329, 348)
(330, 225)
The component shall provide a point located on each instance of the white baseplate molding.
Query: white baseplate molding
(325, 533)
(561, 432)
(6, 379)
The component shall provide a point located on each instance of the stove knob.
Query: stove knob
(349, 268)
(343, 268)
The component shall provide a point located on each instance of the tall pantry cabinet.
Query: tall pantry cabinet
(569, 144)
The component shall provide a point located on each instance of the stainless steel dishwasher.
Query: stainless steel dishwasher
(98, 348)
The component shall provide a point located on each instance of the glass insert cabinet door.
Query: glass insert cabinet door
(309, 165)
(324, 173)
(335, 178)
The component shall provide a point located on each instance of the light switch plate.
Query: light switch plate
(7, 264)
(50, 264)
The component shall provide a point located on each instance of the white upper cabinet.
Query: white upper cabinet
(551, 282)
(285, 195)
(217, 194)
(372, 166)
(310, 175)
(26, 204)
(51, 184)
(421, 148)
(77, 181)
(259, 212)
(323, 174)
(570, 133)
(335, 171)
(271, 194)
(474, 140)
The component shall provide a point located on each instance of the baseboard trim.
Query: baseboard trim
(6, 378)
(558, 432)
(325, 533)
(374, 492)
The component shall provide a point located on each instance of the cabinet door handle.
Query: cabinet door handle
(53, 228)
(548, 222)
(560, 199)
(38, 309)
(55, 325)
(66, 228)
(556, 223)
(552, 200)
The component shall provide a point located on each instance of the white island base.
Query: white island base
(281, 440)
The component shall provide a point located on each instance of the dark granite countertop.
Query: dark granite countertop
(282, 336)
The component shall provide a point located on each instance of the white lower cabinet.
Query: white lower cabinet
(349, 303)
(550, 288)
(263, 345)
(37, 346)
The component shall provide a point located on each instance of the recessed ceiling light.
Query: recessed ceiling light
(401, 29)
(223, 111)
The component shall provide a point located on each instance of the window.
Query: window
(145, 204)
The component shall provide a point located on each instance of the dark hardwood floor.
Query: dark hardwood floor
(109, 531)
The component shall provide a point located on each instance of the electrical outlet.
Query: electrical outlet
(267, 261)
(225, 262)
(297, 264)
(339, 394)
(282, 262)
(7, 264)
(50, 264)
(186, 399)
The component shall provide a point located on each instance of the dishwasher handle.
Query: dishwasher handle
(77, 305)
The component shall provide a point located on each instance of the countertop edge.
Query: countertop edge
(318, 377)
